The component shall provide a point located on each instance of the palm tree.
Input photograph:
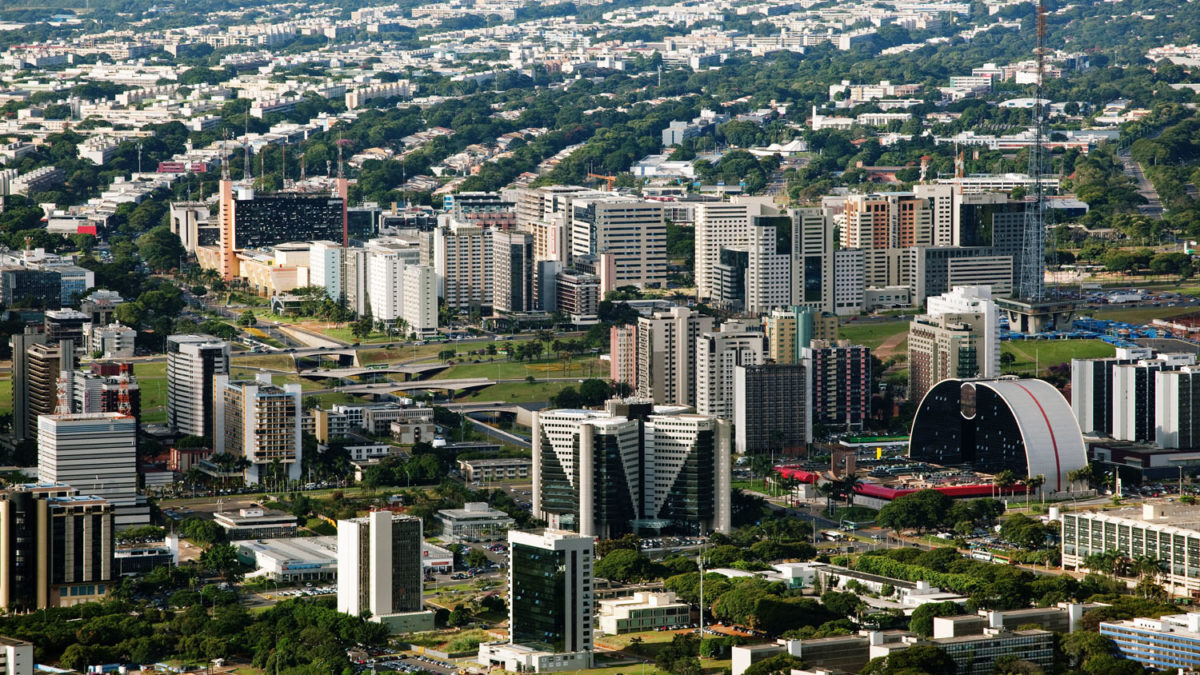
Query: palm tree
(828, 490)
(1146, 566)
(1032, 484)
(1004, 480)
(761, 466)
(1084, 475)
(846, 487)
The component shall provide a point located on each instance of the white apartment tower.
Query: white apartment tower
(666, 355)
(723, 225)
(261, 422)
(192, 363)
(420, 299)
(630, 232)
(718, 354)
(326, 263)
(769, 266)
(974, 300)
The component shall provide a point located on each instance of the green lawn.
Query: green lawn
(328, 400)
(343, 334)
(269, 361)
(871, 334)
(1048, 353)
(152, 383)
(5, 394)
(517, 392)
(1139, 315)
(580, 366)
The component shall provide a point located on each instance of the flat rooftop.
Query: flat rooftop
(297, 549)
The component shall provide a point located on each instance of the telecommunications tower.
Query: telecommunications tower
(1030, 281)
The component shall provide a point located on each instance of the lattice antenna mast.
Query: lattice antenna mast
(224, 157)
(63, 386)
(1031, 283)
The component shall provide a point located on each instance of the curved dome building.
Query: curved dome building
(1025, 426)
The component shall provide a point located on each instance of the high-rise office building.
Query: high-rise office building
(769, 264)
(354, 280)
(1092, 388)
(849, 282)
(945, 346)
(400, 289)
(772, 408)
(1177, 408)
(634, 467)
(192, 363)
(813, 247)
(974, 300)
(723, 225)
(550, 590)
(1135, 392)
(512, 268)
(666, 355)
(569, 447)
(379, 570)
(790, 330)
(958, 338)
(630, 232)
(66, 324)
(45, 364)
(576, 293)
(107, 388)
(717, 355)
(24, 422)
(550, 604)
(464, 265)
(881, 224)
(58, 547)
(262, 220)
(542, 204)
(261, 422)
(420, 299)
(935, 270)
(841, 383)
(623, 343)
(95, 453)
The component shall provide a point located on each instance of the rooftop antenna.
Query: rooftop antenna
(124, 406)
(64, 396)
(1031, 282)
(224, 157)
(246, 151)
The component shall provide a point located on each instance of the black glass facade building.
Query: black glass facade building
(538, 596)
(269, 219)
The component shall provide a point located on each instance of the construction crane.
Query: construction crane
(611, 180)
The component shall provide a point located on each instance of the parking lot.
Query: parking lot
(409, 663)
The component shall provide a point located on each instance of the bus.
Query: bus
(834, 535)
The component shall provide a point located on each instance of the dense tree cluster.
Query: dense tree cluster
(931, 510)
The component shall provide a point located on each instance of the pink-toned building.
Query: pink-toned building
(623, 354)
